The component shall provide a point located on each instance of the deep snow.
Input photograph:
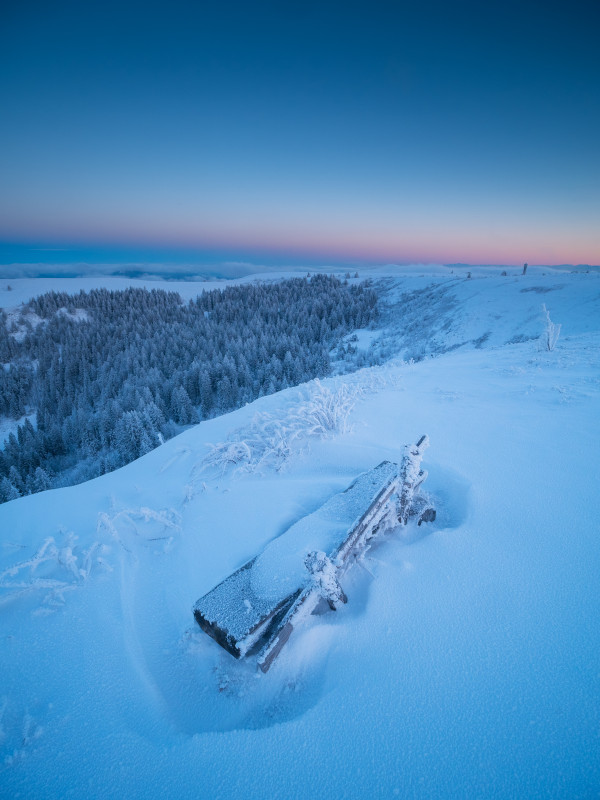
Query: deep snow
(465, 663)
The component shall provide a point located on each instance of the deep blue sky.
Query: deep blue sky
(282, 132)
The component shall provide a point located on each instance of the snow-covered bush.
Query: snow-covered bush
(551, 331)
(268, 440)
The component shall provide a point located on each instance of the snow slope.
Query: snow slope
(465, 663)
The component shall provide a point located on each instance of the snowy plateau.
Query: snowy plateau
(466, 662)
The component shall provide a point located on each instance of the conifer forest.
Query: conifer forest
(99, 378)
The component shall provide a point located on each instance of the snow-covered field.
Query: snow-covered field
(465, 664)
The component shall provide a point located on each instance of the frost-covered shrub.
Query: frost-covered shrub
(268, 440)
(551, 331)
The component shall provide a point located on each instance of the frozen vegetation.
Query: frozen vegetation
(111, 375)
(465, 662)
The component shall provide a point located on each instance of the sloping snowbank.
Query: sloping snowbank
(464, 665)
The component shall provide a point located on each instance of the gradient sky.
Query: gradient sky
(285, 132)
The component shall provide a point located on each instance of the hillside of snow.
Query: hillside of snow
(465, 663)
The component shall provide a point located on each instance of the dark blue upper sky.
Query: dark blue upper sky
(332, 132)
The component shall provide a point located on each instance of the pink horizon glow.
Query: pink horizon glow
(383, 246)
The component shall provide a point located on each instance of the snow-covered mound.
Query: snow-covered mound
(465, 663)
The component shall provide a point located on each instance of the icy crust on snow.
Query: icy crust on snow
(243, 600)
